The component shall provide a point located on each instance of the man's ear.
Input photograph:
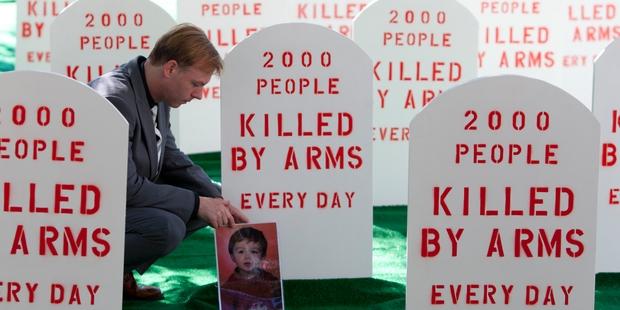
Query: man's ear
(170, 67)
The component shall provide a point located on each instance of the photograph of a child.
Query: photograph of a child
(248, 267)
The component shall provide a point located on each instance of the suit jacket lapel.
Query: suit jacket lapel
(145, 115)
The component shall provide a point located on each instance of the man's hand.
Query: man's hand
(218, 212)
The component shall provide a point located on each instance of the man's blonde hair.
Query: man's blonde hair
(188, 45)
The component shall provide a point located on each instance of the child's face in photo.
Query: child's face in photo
(247, 255)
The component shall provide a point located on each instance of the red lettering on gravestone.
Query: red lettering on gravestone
(426, 96)
(430, 242)
(613, 196)
(212, 92)
(297, 86)
(57, 294)
(273, 200)
(561, 203)
(559, 209)
(38, 56)
(417, 39)
(595, 33)
(92, 72)
(436, 294)
(591, 12)
(114, 42)
(615, 121)
(481, 153)
(43, 8)
(547, 243)
(334, 200)
(431, 239)
(496, 245)
(527, 59)
(329, 157)
(510, 7)
(231, 9)
(75, 242)
(32, 150)
(436, 71)
(324, 124)
(19, 241)
(328, 11)
(239, 161)
(390, 134)
(516, 35)
(575, 60)
(29, 29)
(89, 201)
(14, 288)
(98, 237)
(456, 292)
(344, 30)
(533, 295)
(229, 37)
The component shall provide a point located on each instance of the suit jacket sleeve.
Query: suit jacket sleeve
(142, 192)
(178, 169)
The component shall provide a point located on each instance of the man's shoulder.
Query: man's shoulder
(116, 83)
(113, 84)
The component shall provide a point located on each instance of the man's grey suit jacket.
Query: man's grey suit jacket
(171, 184)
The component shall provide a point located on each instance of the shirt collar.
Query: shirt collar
(149, 98)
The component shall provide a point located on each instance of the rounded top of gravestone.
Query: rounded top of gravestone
(611, 49)
(92, 37)
(284, 34)
(17, 85)
(514, 90)
(80, 6)
(467, 15)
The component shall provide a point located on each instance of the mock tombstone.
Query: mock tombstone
(520, 38)
(588, 26)
(32, 44)
(296, 146)
(553, 40)
(502, 205)
(419, 48)
(336, 15)
(226, 23)
(92, 37)
(607, 111)
(63, 156)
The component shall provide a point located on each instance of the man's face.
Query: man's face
(186, 84)
(247, 255)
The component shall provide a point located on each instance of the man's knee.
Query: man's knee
(176, 233)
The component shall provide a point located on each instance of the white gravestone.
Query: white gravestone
(34, 19)
(92, 37)
(419, 49)
(296, 146)
(607, 110)
(590, 26)
(520, 38)
(502, 209)
(63, 157)
(556, 41)
(226, 23)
